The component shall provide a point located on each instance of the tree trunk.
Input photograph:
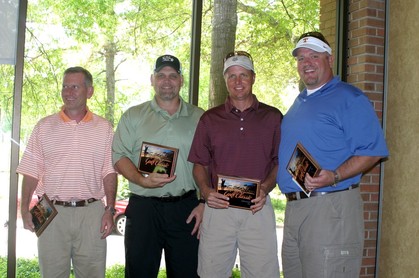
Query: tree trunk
(224, 24)
(110, 51)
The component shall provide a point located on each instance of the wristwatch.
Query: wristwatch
(202, 201)
(337, 178)
(111, 209)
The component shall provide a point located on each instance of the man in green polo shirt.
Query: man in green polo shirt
(164, 212)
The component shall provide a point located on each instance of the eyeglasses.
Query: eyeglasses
(238, 53)
(316, 35)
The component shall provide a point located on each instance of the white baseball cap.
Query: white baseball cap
(313, 44)
(238, 60)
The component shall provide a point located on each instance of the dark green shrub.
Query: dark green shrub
(29, 268)
(279, 209)
(235, 273)
(115, 271)
(162, 273)
(3, 267)
(25, 268)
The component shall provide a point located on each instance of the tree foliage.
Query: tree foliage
(119, 40)
(268, 30)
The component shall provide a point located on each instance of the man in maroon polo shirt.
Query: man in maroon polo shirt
(239, 138)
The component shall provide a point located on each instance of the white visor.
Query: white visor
(238, 60)
(313, 44)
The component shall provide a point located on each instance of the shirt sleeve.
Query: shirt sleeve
(32, 162)
(200, 148)
(122, 144)
(108, 165)
(363, 131)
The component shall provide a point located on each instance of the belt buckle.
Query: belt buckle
(73, 203)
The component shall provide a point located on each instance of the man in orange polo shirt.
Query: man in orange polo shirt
(68, 157)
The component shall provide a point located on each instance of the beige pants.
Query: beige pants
(323, 236)
(73, 237)
(224, 231)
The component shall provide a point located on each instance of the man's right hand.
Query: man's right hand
(217, 200)
(28, 188)
(156, 180)
(27, 221)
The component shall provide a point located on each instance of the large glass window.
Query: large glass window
(118, 41)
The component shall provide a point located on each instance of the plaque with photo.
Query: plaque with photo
(156, 158)
(300, 164)
(240, 190)
(42, 214)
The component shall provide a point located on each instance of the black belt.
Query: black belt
(188, 194)
(73, 204)
(301, 195)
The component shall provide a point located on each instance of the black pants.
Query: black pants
(153, 225)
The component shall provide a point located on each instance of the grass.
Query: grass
(29, 268)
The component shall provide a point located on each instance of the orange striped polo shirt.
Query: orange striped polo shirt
(69, 159)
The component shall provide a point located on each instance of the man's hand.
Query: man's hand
(217, 200)
(325, 178)
(28, 188)
(107, 224)
(156, 180)
(197, 213)
(27, 221)
(259, 202)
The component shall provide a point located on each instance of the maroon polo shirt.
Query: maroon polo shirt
(238, 143)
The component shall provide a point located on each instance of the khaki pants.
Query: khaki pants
(323, 236)
(224, 231)
(73, 237)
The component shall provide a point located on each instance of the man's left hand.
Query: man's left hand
(107, 224)
(259, 202)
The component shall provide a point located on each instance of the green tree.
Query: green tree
(108, 37)
(95, 23)
(268, 30)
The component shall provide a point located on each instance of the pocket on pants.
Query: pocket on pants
(342, 261)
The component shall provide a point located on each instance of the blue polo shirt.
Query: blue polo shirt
(334, 124)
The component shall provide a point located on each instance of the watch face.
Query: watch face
(111, 209)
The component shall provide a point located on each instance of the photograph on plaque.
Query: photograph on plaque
(300, 163)
(240, 190)
(156, 158)
(42, 214)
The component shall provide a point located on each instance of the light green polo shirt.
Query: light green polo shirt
(148, 122)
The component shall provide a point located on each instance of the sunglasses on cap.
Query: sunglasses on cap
(238, 53)
(316, 35)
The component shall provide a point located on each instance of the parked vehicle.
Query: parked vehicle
(120, 206)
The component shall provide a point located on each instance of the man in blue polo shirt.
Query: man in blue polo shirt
(336, 123)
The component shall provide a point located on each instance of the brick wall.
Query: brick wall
(366, 71)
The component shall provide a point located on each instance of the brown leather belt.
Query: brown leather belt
(188, 194)
(294, 196)
(74, 204)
